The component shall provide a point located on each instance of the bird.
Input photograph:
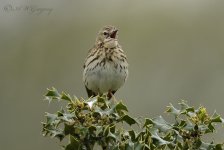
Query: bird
(106, 66)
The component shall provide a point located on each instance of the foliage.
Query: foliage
(101, 121)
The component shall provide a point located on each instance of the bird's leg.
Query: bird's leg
(90, 92)
(110, 94)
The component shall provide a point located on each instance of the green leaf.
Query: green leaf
(210, 127)
(121, 107)
(55, 133)
(129, 146)
(68, 129)
(128, 120)
(53, 93)
(190, 109)
(101, 100)
(161, 124)
(183, 105)
(191, 114)
(171, 109)
(182, 124)
(66, 97)
(116, 147)
(97, 114)
(132, 135)
(148, 122)
(208, 146)
(99, 120)
(197, 144)
(74, 144)
(111, 136)
(81, 131)
(203, 128)
(99, 130)
(217, 119)
(59, 135)
(219, 147)
(138, 146)
(68, 117)
(51, 118)
(157, 139)
(106, 130)
(61, 112)
(92, 129)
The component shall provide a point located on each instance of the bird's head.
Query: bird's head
(107, 33)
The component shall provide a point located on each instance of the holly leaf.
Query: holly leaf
(74, 144)
(157, 139)
(51, 118)
(129, 120)
(171, 109)
(121, 107)
(66, 97)
(52, 94)
(161, 124)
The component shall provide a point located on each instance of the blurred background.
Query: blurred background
(175, 50)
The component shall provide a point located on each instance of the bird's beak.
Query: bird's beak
(113, 34)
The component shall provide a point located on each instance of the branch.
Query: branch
(85, 123)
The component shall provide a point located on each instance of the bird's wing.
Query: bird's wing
(91, 52)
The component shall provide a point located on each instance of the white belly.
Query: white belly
(102, 79)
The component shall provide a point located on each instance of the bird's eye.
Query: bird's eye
(105, 33)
